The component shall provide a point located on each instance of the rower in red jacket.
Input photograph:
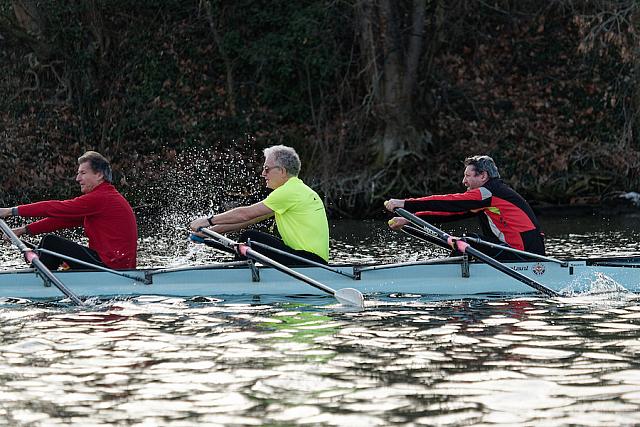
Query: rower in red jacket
(107, 218)
(505, 217)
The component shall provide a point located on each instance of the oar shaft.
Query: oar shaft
(348, 296)
(465, 247)
(32, 258)
(301, 259)
(419, 221)
(423, 235)
(49, 277)
(250, 253)
(94, 266)
(514, 250)
(510, 272)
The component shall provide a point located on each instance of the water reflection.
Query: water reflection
(165, 361)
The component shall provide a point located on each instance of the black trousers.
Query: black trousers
(274, 242)
(66, 247)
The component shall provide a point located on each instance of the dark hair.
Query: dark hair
(285, 157)
(483, 164)
(98, 164)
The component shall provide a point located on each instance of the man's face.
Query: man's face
(472, 179)
(87, 178)
(274, 175)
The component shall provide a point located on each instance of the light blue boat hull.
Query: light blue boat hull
(441, 279)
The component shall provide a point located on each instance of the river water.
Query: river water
(203, 361)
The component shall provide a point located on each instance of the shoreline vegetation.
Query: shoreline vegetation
(380, 98)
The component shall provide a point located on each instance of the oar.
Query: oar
(430, 238)
(212, 244)
(32, 258)
(348, 296)
(217, 245)
(144, 280)
(463, 246)
(303, 259)
(514, 250)
(424, 236)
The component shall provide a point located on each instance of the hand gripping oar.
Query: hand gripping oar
(348, 296)
(31, 257)
(463, 246)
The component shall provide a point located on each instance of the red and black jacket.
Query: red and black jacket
(504, 215)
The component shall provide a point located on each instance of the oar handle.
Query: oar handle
(421, 222)
(457, 243)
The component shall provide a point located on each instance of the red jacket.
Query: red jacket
(107, 218)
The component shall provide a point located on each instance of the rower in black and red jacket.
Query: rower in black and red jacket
(505, 216)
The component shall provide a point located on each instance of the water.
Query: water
(180, 362)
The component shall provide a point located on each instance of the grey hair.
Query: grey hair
(98, 164)
(285, 157)
(483, 164)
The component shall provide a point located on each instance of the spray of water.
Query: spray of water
(598, 290)
(175, 189)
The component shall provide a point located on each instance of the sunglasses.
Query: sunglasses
(266, 169)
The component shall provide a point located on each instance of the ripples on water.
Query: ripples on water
(401, 361)
(158, 361)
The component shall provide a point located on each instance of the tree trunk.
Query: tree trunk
(392, 40)
(228, 65)
(30, 20)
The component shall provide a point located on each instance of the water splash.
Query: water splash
(172, 192)
(598, 290)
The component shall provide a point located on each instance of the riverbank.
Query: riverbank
(516, 84)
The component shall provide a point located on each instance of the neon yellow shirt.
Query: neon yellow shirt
(300, 217)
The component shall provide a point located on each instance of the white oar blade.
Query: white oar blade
(350, 296)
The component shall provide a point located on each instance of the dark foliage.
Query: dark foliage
(144, 81)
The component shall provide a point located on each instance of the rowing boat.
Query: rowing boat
(456, 276)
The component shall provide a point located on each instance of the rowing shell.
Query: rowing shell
(442, 277)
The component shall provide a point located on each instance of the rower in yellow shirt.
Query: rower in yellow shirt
(300, 216)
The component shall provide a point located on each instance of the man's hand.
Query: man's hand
(199, 223)
(19, 231)
(391, 204)
(397, 223)
(453, 242)
(5, 212)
